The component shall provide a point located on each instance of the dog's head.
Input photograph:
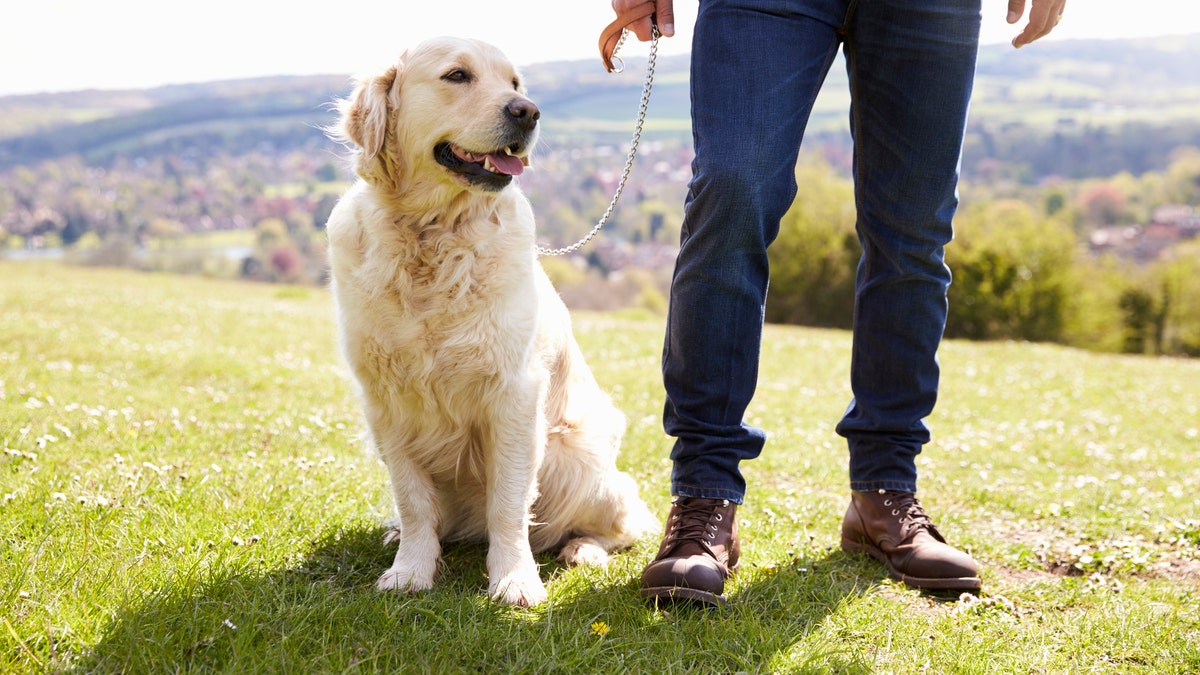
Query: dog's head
(452, 113)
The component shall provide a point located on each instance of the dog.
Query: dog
(475, 393)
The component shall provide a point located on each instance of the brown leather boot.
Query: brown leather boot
(895, 530)
(698, 552)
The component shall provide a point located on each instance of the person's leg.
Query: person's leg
(911, 65)
(756, 69)
(757, 66)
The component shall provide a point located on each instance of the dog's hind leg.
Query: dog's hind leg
(616, 517)
(419, 550)
(585, 550)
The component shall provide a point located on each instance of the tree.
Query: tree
(1181, 300)
(73, 230)
(1183, 176)
(272, 232)
(1138, 309)
(1103, 204)
(323, 210)
(327, 172)
(1096, 320)
(287, 263)
(1013, 274)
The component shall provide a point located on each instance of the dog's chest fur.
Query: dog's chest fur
(443, 310)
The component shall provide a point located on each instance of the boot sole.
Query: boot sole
(679, 594)
(935, 584)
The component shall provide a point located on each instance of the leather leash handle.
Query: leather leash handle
(612, 33)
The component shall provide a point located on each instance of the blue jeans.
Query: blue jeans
(757, 66)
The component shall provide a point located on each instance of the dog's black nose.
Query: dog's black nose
(523, 113)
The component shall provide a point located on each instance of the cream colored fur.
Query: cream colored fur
(475, 393)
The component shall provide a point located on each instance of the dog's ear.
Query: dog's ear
(365, 117)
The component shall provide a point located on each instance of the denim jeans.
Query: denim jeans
(757, 66)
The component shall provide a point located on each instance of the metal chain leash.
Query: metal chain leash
(633, 144)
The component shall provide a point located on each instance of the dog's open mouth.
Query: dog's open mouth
(491, 170)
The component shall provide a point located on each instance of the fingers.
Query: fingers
(1016, 8)
(664, 16)
(1044, 15)
(643, 29)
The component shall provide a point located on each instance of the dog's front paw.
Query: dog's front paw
(404, 579)
(523, 588)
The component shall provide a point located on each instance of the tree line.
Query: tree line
(1023, 260)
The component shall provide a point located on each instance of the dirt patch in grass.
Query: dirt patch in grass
(1178, 569)
(1008, 576)
(1056, 553)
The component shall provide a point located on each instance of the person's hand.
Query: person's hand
(664, 16)
(1044, 15)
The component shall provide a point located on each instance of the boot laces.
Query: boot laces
(911, 514)
(696, 520)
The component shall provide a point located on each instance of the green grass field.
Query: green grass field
(182, 489)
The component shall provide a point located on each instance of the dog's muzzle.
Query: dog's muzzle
(493, 169)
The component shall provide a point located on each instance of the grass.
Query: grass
(182, 489)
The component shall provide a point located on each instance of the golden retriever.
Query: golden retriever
(476, 395)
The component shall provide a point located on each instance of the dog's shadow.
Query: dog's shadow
(323, 614)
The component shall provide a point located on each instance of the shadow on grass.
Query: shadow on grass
(322, 614)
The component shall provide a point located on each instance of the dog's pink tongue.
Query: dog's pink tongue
(507, 164)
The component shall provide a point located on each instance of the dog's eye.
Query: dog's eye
(457, 75)
(516, 85)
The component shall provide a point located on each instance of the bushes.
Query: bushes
(1181, 293)
(1013, 274)
(1020, 273)
(1160, 306)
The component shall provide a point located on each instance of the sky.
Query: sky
(66, 45)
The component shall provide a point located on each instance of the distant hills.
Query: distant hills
(1077, 91)
(98, 124)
